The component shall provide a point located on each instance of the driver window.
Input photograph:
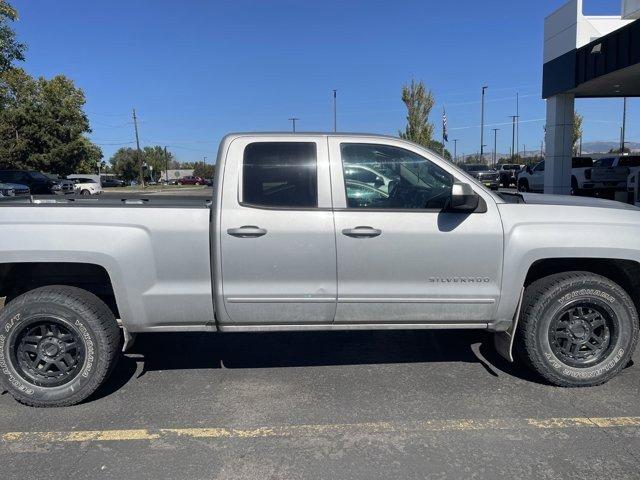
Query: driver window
(382, 176)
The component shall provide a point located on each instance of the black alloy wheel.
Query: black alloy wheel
(48, 351)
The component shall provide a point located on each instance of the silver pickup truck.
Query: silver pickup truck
(405, 240)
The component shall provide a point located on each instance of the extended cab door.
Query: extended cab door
(277, 241)
(401, 258)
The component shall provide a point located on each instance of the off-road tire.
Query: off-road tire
(89, 324)
(544, 302)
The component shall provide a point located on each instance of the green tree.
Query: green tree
(204, 170)
(124, 163)
(577, 131)
(419, 103)
(43, 126)
(436, 146)
(10, 49)
(154, 157)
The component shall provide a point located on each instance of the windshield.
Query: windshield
(37, 176)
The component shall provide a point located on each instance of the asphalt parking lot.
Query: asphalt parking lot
(357, 405)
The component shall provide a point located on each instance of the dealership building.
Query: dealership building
(584, 57)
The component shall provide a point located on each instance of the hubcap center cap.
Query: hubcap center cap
(579, 330)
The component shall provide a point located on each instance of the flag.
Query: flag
(445, 135)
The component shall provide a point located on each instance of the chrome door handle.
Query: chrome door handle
(247, 231)
(361, 232)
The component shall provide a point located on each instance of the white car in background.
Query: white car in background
(85, 185)
(531, 179)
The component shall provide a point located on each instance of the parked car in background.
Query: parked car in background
(531, 179)
(580, 174)
(67, 187)
(107, 181)
(611, 173)
(508, 173)
(87, 186)
(485, 175)
(191, 180)
(14, 190)
(38, 183)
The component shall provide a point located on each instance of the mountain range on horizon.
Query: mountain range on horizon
(588, 148)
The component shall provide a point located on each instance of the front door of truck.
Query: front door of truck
(277, 241)
(401, 258)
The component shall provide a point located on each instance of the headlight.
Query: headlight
(7, 192)
(55, 187)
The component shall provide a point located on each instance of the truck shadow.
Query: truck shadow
(179, 351)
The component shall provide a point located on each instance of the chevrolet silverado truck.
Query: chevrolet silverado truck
(289, 242)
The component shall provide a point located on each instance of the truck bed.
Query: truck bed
(154, 250)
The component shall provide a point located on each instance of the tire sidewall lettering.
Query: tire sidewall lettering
(8, 370)
(619, 350)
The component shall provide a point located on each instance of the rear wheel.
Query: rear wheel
(57, 346)
(523, 185)
(577, 329)
(85, 192)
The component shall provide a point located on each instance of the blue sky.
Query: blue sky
(195, 70)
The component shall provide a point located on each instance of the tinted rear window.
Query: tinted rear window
(280, 174)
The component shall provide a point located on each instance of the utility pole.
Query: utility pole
(624, 125)
(580, 145)
(335, 110)
(455, 150)
(139, 153)
(166, 165)
(293, 123)
(542, 149)
(495, 144)
(513, 136)
(482, 126)
(518, 119)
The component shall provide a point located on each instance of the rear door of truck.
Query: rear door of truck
(278, 250)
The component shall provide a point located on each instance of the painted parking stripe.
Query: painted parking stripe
(319, 430)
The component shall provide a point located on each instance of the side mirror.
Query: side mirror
(528, 169)
(463, 198)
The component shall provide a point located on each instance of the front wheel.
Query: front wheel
(57, 346)
(577, 329)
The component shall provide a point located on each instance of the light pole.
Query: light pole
(455, 150)
(513, 136)
(495, 143)
(624, 125)
(482, 126)
(293, 123)
(335, 107)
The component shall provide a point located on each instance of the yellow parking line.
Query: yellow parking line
(320, 430)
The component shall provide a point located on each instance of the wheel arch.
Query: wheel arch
(625, 273)
(17, 278)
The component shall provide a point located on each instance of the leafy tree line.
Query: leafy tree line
(42, 123)
(125, 163)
